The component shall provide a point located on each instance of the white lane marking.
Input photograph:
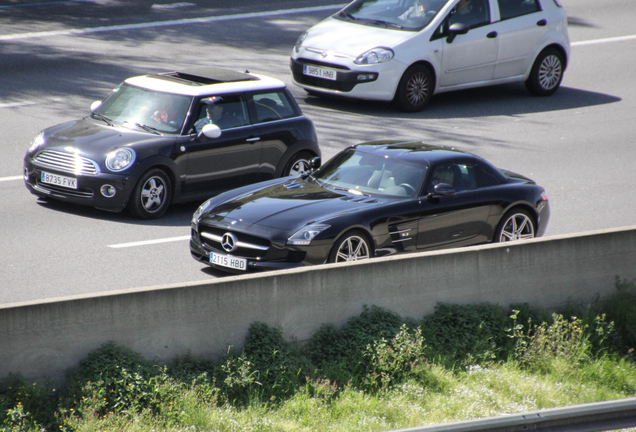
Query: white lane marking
(10, 178)
(16, 104)
(172, 5)
(606, 40)
(149, 242)
(46, 3)
(186, 21)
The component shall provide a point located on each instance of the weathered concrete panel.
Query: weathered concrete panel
(40, 340)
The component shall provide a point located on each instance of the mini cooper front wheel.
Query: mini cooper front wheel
(152, 195)
(352, 246)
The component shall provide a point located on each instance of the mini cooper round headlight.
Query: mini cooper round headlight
(120, 159)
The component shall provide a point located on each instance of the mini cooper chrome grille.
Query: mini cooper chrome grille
(66, 162)
(232, 242)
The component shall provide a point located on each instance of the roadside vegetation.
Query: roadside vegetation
(376, 373)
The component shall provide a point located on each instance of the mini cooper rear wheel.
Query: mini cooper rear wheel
(298, 164)
(152, 195)
(353, 246)
(415, 89)
(547, 73)
(517, 224)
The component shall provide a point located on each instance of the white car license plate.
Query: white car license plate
(58, 180)
(228, 261)
(319, 72)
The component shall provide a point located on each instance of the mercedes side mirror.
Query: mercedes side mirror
(443, 189)
(315, 163)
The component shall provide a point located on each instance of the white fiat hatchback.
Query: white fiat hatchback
(407, 50)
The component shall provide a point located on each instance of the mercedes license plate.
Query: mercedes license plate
(58, 180)
(228, 261)
(319, 72)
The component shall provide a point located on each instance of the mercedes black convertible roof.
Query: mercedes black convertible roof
(414, 150)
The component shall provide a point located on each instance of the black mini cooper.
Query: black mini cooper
(170, 138)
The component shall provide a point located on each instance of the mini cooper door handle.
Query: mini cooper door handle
(492, 35)
(253, 139)
(541, 23)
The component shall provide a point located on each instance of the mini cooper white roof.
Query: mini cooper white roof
(205, 81)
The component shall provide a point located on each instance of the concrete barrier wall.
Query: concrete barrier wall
(41, 340)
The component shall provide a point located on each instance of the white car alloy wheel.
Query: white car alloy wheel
(547, 73)
(415, 89)
(550, 72)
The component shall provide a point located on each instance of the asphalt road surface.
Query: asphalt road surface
(57, 57)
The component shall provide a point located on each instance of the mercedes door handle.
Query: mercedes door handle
(541, 23)
(492, 35)
(253, 139)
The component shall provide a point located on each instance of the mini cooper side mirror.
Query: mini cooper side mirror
(95, 105)
(456, 29)
(210, 130)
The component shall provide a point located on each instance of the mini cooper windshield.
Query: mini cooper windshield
(398, 14)
(364, 173)
(147, 109)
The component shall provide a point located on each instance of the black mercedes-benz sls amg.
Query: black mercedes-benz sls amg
(370, 200)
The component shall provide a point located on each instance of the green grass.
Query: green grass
(376, 373)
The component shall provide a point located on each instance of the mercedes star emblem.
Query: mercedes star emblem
(229, 242)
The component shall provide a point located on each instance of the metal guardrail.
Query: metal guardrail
(592, 417)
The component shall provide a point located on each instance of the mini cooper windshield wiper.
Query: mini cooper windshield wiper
(148, 128)
(102, 117)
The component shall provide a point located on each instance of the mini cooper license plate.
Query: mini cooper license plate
(319, 72)
(58, 180)
(228, 261)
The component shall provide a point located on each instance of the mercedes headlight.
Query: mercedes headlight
(37, 142)
(375, 56)
(197, 214)
(120, 159)
(299, 41)
(305, 235)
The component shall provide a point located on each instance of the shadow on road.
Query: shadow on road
(177, 215)
(502, 100)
